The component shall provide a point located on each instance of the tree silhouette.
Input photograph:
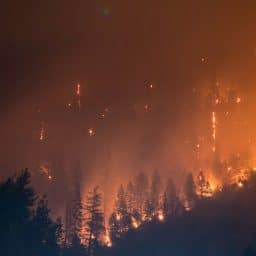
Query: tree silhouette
(120, 219)
(45, 232)
(190, 191)
(171, 202)
(155, 191)
(95, 221)
(17, 198)
(140, 191)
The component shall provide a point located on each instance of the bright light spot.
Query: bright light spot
(160, 216)
(240, 184)
(78, 89)
(135, 224)
(238, 100)
(118, 216)
(108, 241)
(91, 132)
(203, 59)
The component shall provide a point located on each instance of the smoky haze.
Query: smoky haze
(147, 66)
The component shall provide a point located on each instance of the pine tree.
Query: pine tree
(155, 191)
(77, 213)
(130, 198)
(18, 198)
(45, 232)
(171, 202)
(148, 209)
(74, 212)
(190, 192)
(95, 221)
(140, 191)
(120, 220)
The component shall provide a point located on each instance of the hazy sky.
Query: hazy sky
(115, 50)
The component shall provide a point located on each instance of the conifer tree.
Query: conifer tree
(155, 191)
(95, 221)
(190, 191)
(140, 191)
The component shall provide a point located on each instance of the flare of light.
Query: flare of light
(203, 59)
(135, 223)
(160, 216)
(108, 241)
(238, 100)
(118, 216)
(240, 184)
(91, 132)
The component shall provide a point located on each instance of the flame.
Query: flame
(118, 216)
(135, 223)
(160, 216)
(240, 184)
(108, 241)
(238, 100)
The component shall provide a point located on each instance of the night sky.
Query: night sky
(115, 50)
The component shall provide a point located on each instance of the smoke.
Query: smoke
(144, 65)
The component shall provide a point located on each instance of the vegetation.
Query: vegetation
(146, 220)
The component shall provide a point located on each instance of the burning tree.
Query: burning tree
(95, 222)
(140, 191)
(203, 186)
(120, 220)
(155, 191)
(130, 197)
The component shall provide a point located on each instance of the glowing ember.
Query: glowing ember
(238, 100)
(135, 223)
(118, 217)
(240, 184)
(108, 241)
(160, 216)
(91, 132)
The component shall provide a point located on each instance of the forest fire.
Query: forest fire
(137, 124)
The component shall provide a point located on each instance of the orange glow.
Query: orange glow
(108, 241)
(160, 216)
(238, 100)
(78, 89)
(42, 132)
(91, 132)
(118, 216)
(240, 184)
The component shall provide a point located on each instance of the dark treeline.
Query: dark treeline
(150, 217)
